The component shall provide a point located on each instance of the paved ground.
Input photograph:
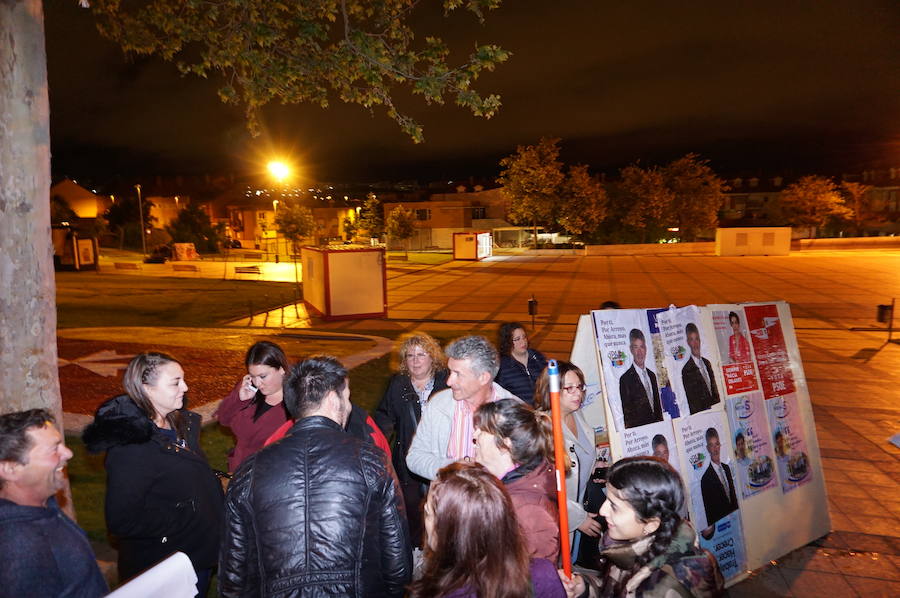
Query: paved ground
(853, 374)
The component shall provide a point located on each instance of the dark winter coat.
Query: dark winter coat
(46, 554)
(398, 414)
(315, 514)
(684, 570)
(518, 379)
(160, 497)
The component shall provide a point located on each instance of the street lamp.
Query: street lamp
(141, 212)
(279, 170)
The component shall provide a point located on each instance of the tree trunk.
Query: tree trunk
(29, 377)
(535, 239)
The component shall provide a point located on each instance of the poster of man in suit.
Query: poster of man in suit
(627, 358)
(697, 375)
(717, 482)
(638, 387)
(689, 360)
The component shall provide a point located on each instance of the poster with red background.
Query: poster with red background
(771, 351)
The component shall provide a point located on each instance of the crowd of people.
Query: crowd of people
(449, 491)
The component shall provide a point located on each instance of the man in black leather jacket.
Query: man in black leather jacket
(317, 513)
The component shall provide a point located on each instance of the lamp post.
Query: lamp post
(141, 213)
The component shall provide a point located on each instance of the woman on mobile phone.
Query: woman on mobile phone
(255, 408)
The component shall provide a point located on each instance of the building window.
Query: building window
(768, 239)
(479, 213)
(740, 240)
(423, 214)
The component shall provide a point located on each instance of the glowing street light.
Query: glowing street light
(279, 170)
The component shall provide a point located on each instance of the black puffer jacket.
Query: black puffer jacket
(160, 497)
(316, 514)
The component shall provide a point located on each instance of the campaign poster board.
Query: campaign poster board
(771, 520)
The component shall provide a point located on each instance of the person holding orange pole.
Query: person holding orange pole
(579, 444)
(561, 462)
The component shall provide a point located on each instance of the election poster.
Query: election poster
(738, 370)
(632, 385)
(689, 358)
(707, 467)
(725, 540)
(754, 461)
(771, 350)
(656, 439)
(666, 394)
(788, 438)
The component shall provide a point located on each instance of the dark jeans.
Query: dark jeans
(414, 499)
(203, 579)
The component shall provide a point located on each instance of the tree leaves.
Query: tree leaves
(813, 201)
(306, 51)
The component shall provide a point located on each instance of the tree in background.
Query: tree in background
(531, 179)
(123, 218)
(311, 51)
(860, 205)
(698, 194)
(685, 193)
(296, 223)
(583, 202)
(812, 202)
(351, 226)
(643, 201)
(192, 225)
(371, 216)
(400, 224)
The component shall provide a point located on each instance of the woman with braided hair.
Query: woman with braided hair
(648, 550)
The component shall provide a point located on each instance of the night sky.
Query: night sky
(756, 87)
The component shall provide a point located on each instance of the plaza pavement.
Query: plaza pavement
(852, 372)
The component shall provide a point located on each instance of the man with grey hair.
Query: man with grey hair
(445, 432)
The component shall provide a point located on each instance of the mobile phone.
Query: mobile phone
(253, 388)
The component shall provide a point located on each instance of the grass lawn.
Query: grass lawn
(88, 299)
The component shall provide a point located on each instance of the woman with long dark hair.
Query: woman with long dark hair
(161, 495)
(255, 408)
(473, 544)
(520, 365)
(515, 443)
(648, 550)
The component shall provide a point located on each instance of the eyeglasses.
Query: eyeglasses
(573, 388)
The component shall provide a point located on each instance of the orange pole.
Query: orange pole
(559, 451)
